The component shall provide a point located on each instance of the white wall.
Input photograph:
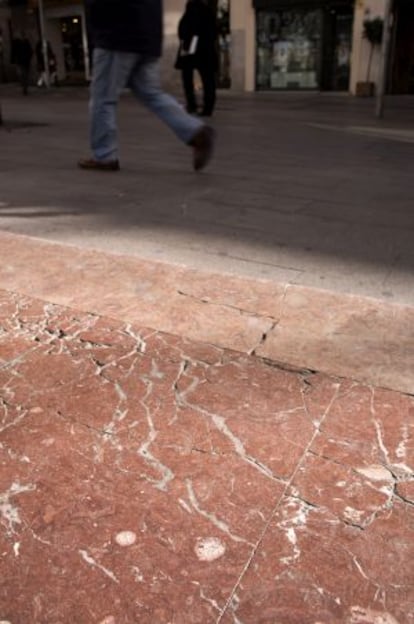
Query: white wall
(361, 47)
(243, 45)
(173, 10)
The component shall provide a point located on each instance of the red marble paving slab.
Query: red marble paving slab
(109, 428)
(104, 431)
(340, 547)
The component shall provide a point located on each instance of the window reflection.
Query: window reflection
(288, 49)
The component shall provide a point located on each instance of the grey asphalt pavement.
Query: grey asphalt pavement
(304, 188)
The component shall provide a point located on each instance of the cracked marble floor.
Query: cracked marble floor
(151, 479)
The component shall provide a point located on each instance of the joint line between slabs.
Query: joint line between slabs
(273, 513)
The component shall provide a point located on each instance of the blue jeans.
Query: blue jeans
(112, 72)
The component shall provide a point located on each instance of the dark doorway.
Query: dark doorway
(73, 48)
(402, 63)
(336, 65)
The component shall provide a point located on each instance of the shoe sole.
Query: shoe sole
(96, 167)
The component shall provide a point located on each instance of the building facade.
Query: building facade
(264, 45)
(317, 44)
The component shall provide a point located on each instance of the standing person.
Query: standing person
(127, 40)
(51, 60)
(40, 62)
(22, 52)
(197, 34)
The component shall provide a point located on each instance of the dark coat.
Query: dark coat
(21, 52)
(126, 25)
(199, 21)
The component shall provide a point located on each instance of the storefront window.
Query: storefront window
(288, 49)
(71, 28)
(223, 29)
(342, 56)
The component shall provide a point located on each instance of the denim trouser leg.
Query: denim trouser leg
(145, 83)
(112, 71)
(110, 74)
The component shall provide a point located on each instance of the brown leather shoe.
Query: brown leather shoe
(203, 147)
(100, 165)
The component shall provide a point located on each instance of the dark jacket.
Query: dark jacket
(126, 25)
(199, 21)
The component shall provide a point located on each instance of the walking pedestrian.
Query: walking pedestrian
(22, 52)
(127, 40)
(197, 34)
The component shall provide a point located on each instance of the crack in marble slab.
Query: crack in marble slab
(263, 339)
(118, 415)
(380, 594)
(275, 322)
(210, 601)
(141, 343)
(16, 420)
(306, 386)
(91, 561)
(289, 368)
(211, 517)
(39, 539)
(76, 421)
(167, 474)
(221, 425)
(221, 304)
